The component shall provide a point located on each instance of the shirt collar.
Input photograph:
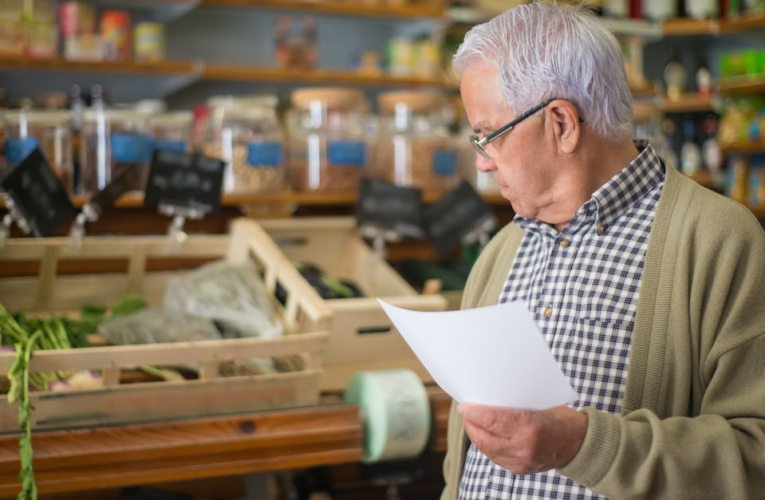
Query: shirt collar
(617, 195)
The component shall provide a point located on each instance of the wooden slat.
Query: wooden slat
(114, 247)
(96, 358)
(428, 9)
(145, 454)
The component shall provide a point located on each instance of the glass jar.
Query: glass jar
(245, 133)
(171, 130)
(51, 131)
(329, 143)
(414, 148)
(112, 141)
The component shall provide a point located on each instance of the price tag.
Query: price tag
(391, 207)
(184, 180)
(38, 195)
(455, 216)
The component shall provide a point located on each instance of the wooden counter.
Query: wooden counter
(90, 459)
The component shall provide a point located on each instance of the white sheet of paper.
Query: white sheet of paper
(493, 355)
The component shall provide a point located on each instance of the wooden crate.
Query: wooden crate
(363, 337)
(101, 271)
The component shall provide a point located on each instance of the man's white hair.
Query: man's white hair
(544, 50)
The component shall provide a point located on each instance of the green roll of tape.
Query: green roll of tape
(395, 413)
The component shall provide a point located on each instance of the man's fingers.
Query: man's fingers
(492, 418)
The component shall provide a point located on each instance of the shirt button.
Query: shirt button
(548, 313)
(564, 243)
(601, 228)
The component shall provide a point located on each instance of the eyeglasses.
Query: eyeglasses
(480, 144)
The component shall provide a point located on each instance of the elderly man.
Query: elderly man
(648, 288)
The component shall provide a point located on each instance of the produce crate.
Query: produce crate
(363, 337)
(52, 276)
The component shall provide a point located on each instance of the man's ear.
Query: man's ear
(566, 126)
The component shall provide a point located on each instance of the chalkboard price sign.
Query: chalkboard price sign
(184, 180)
(37, 194)
(391, 207)
(454, 216)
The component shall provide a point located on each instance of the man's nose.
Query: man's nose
(484, 164)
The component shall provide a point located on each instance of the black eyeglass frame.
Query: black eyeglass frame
(480, 144)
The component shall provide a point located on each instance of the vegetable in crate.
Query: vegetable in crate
(232, 295)
(156, 326)
(327, 286)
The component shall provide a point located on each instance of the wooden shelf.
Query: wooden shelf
(162, 68)
(135, 200)
(743, 148)
(219, 72)
(428, 9)
(743, 23)
(249, 74)
(704, 178)
(690, 27)
(688, 103)
(742, 85)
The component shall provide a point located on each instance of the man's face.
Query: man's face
(521, 160)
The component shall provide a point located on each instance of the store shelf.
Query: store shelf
(688, 103)
(218, 72)
(743, 148)
(690, 27)
(743, 23)
(61, 65)
(742, 85)
(429, 9)
(331, 77)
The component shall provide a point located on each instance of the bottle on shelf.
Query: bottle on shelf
(710, 149)
(675, 76)
(702, 9)
(690, 153)
(703, 77)
(659, 10)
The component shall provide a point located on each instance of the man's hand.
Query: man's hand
(522, 441)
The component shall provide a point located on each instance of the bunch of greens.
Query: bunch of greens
(28, 334)
(24, 344)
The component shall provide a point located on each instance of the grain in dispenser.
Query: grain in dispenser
(245, 133)
(329, 142)
(113, 141)
(414, 149)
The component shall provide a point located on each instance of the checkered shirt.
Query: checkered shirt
(581, 285)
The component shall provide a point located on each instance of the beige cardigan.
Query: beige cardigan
(693, 422)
